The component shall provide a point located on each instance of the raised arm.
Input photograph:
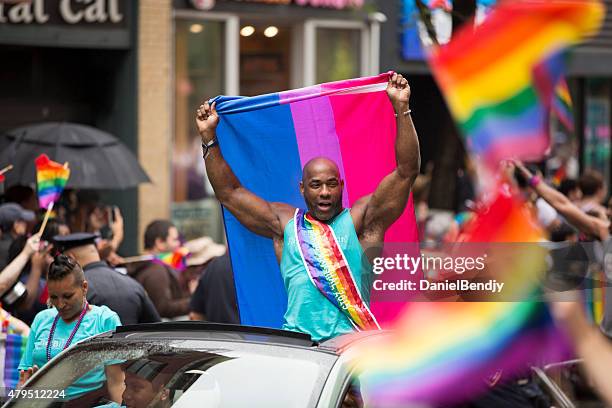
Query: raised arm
(584, 222)
(375, 213)
(258, 215)
(11, 272)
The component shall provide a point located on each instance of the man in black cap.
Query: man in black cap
(106, 285)
(13, 223)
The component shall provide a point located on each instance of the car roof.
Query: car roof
(211, 331)
(199, 330)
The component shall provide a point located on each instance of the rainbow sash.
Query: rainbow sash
(329, 270)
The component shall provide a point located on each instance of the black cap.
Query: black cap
(64, 242)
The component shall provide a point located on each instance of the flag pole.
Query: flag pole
(7, 168)
(47, 214)
(137, 258)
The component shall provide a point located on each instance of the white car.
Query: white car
(194, 364)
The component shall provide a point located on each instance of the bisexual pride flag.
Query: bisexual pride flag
(267, 139)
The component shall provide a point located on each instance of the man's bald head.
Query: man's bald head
(318, 165)
(322, 187)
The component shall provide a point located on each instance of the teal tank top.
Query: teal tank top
(308, 310)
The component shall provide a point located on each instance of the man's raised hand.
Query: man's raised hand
(207, 120)
(398, 91)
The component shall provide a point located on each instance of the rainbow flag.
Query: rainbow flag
(177, 259)
(14, 348)
(267, 139)
(595, 296)
(329, 270)
(562, 105)
(444, 352)
(51, 178)
(497, 77)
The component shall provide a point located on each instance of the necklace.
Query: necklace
(72, 334)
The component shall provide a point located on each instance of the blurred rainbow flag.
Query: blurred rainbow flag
(51, 178)
(595, 296)
(497, 77)
(562, 105)
(15, 347)
(437, 347)
(177, 259)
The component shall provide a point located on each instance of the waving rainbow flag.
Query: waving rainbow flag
(267, 139)
(177, 259)
(443, 352)
(489, 75)
(51, 178)
(562, 105)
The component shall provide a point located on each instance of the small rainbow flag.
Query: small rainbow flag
(595, 296)
(489, 75)
(51, 178)
(177, 259)
(442, 346)
(15, 347)
(562, 105)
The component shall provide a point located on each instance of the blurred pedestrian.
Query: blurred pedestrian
(214, 300)
(594, 192)
(108, 286)
(13, 223)
(160, 280)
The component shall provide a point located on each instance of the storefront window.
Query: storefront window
(199, 74)
(264, 58)
(597, 126)
(338, 54)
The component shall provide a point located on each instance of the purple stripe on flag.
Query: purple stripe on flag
(315, 130)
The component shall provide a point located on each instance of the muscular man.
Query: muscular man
(335, 300)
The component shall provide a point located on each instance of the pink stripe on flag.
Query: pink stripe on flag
(365, 168)
(315, 131)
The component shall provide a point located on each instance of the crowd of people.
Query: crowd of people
(68, 281)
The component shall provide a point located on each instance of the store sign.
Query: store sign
(108, 12)
(337, 4)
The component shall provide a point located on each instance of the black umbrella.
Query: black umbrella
(97, 159)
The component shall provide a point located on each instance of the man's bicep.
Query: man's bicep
(388, 202)
(258, 215)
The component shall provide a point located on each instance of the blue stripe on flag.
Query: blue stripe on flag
(261, 148)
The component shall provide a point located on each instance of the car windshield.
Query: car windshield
(182, 373)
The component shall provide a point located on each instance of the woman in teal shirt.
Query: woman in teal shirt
(70, 320)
